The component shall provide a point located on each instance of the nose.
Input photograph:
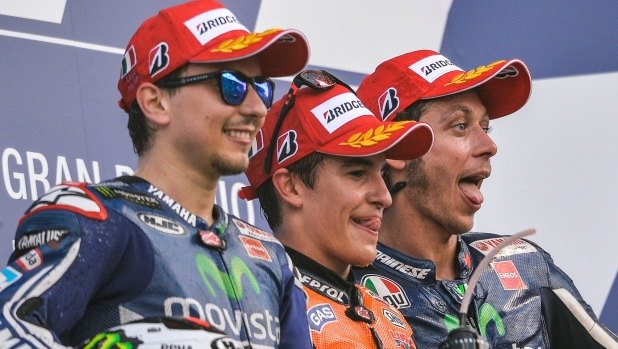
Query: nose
(253, 105)
(484, 146)
(380, 197)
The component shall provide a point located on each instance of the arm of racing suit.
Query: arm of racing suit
(66, 260)
(293, 311)
(570, 321)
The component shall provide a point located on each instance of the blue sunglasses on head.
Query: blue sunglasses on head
(233, 84)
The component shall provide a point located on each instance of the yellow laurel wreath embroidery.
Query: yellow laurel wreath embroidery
(373, 136)
(474, 73)
(243, 41)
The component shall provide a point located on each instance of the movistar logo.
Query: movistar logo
(113, 340)
(487, 314)
(230, 284)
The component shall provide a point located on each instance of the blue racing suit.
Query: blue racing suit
(522, 300)
(90, 257)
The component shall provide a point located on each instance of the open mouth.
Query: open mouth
(373, 223)
(471, 188)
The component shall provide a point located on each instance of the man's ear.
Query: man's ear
(286, 185)
(154, 103)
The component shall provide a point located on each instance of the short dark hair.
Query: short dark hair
(414, 111)
(305, 169)
(142, 134)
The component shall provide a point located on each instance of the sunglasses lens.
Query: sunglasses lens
(234, 89)
(264, 89)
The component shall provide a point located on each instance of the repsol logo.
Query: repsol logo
(331, 114)
(260, 325)
(215, 22)
(323, 289)
(162, 224)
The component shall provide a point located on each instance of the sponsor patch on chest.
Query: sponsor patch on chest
(320, 315)
(516, 247)
(254, 248)
(509, 275)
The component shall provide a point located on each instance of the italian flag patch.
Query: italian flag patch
(128, 62)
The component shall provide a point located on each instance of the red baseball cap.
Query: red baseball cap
(503, 86)
(332, 121)
(204, 31)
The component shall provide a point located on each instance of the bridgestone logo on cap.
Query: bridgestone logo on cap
(338, 110)
(209, 25)
(433, 67)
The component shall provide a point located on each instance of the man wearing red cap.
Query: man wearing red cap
(318, 177)
(89, 257)
(424, 260)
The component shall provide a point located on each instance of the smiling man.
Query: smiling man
(194, 83)
(319, 181)
(425, 255)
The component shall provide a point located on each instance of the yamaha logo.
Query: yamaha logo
(162, 224)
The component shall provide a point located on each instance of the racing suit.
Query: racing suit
(90, 257)
(343, 315)
(522, 300)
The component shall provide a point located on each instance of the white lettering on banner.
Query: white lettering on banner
(37, 177)
(14, 174)
(21, 178)
(124, 170)
(233, 197)
(258, 324)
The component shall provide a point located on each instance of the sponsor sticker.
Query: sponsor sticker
(320, 315)
(208, 25)
(52, 237)
(162, 224)
(516, 247)
(7, 277)
(419, 273)
(393, 318)
(433, 67)
(339, 110)
(257, 145)
(255, 248)
(159, 58)
(324, 289)
(402, 339)
(31, 260)
(210, 239)
(388, 102)
(251, 231)
(509, 276)
(508, 72)
(287, 146)
(387, 289)
(139, 199)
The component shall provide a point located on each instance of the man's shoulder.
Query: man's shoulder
(484, 243)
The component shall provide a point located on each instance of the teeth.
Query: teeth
(239, 134)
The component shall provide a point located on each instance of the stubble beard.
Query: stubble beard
(228, 168)
(425, 192)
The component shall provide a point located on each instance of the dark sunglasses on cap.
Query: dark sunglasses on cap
(233, 84)
(317, 80)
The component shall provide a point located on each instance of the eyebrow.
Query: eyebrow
(362, 161)
(455, 108)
